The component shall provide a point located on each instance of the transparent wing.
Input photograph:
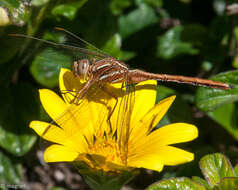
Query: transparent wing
(66, 43)
(90, 114)
(121, 117)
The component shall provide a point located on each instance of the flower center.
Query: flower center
(108, 149)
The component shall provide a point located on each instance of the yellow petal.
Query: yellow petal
(52, 103)
(151, 118)
(59, 153)
(132, 106)
(148, 161)
(62, 114)
(69, 84)
(92, 109)
(174, 156)
(145, 95)
(57, 135)
(170, 134)
(174, 133)
(48, 131)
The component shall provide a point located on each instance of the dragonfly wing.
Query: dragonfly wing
(121, 117)
(89, 114)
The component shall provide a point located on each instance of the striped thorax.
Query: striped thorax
(105, 70)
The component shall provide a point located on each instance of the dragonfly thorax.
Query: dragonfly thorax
(80, 68)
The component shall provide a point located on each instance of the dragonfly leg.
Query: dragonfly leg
(82, 92)
(114, 107)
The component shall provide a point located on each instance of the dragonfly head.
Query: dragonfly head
(81, 67)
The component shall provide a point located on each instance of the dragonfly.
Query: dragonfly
(109, 70)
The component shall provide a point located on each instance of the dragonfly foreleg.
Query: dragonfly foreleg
(82, 92)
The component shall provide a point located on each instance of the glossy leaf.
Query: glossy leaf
(136, 20)
(68, 10)
(226, 116)
(117, 6)
(227, 183)
(19, 106)
(10, 172)
(39, 2)
(215, 167)
(176, 184)
(113, 48)
(236, 170)
(46, 66)
(155, 3)
(10, 3)
(57, 188)
(208, 99)
(55, 37)
(171, 45)
(202, 182)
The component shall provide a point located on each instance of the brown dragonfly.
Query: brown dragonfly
(110, 70)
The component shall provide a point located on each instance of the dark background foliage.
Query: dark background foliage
(186, 37)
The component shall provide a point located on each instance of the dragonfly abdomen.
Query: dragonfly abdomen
(139, 76)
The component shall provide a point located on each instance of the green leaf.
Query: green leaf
(215, 167)
(59, 38)
(236, 170)
(39, 2)
(10, 3)
(10, 172)
(68, 10)
(176, 184)
(155, 3)
(226, 117)
(46, 66)
(136, 20)
(19, 106)
(227, 183)
(113, 48)
(202, 182)
(117, 6)
(171, 45)
(208, 99)
(57, 188)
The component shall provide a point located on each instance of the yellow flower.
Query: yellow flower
(106, 137)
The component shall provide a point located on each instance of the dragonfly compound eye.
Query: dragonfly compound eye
(83, 67)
